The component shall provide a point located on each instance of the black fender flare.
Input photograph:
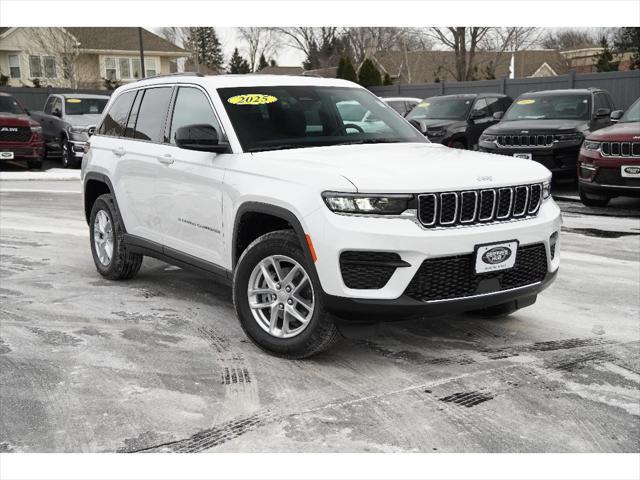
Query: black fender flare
(102, 178)
(276, 211)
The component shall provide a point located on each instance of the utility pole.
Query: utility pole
(143, 75)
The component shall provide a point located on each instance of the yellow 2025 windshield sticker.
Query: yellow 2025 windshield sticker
(424, 104)
(73, 100)
(526, 101)
(252, 99)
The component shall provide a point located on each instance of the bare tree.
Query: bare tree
(56, 42)
(176, 35)
(306, 39)
(260, 41)
(465, 42)
(570, 39)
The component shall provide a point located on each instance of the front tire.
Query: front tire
(591, 200)
(277, 300)
(106, 233)
(459, 145)
(67, 155)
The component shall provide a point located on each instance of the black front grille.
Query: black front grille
(368, 270)
(612, 176)
(620, 149)
(454, 277)
(15, 134)
(538, 140)
(447, 209)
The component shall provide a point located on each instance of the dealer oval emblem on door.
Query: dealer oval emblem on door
(496, 255)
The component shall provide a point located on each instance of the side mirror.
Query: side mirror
(616, 115)
(476, 114)
(200, 137)
(497, 115)
(57, 113)
(419, 126)
(602, 112)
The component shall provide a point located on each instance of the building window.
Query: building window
(150, 67)
(35, 66)
(49, 67)
(110, 68)
(135, 66)
(125, 70)
(129, 68)
(14, 66)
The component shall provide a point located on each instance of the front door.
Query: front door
(189, 185)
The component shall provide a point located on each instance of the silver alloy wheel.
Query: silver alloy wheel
(281, 296)
(65, 154)
(103, 237)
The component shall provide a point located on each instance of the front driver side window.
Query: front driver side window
(191, 107)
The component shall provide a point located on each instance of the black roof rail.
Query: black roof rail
(177, 74)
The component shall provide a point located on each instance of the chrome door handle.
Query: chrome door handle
(166, 159)
(118, 151)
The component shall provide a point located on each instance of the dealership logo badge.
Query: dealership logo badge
(8, 129)
(496, 255)
(524, 131)
(632, 170)
(6, 154)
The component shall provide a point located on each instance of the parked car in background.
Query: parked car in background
(458, 120)
(20, 136)
(402, 105)
(609, 163)
(67, 121)
(549, 127)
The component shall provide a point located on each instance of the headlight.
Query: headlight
(591, 145)
(546, 190)
(78, 129)
(485, 137)
(366, 204)
(568, 137)
(36, 130)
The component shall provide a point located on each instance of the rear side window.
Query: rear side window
(191, 107)
(116, 119)
(152, 114)
(133, 116)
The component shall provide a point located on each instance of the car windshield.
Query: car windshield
(281, 117)
(633, 114)
(9, 105)
(538, 107)
(441, 108)
(84, 106)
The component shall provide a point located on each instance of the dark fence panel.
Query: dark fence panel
(624, 87)
(34, 98)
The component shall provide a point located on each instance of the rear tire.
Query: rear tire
(591, 200)
(458, 145)
(106, 232)
(275, 327)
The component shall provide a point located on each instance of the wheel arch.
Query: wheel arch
(96, 184)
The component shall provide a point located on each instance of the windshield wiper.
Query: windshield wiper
(284, 146)
(370, 140)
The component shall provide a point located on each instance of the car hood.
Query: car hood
(83, 120)
(434, 123)
(15, 120)
(405, 167)
(517, 126)
(627, 131)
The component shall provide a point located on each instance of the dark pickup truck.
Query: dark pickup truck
(67, 121)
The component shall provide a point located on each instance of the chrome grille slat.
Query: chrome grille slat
(620, 149)
(515, 141)
(473, 207)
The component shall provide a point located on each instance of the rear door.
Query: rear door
(138, 165)
(189, 186)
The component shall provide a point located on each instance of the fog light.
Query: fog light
(553, 240)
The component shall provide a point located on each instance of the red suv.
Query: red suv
(609, 163)
(20, 136)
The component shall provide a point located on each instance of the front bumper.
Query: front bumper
(333, 234)
(78, 147)
(23, 151)
(602, 176)
(559, 159)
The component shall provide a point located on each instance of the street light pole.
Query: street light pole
(142, 74)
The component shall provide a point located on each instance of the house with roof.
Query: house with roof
(83, 57)
(439, 65)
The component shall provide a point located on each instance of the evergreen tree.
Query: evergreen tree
(204, 43)
(349, 72)
(369, 75)
(313, 58)
(604, 60)
(237, 64)
(340, 70)
(387, 80)
(262, 63)
(273, 62)
(628, 41)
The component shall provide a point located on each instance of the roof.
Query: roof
(81, 95)
(438, 65)
(3, 29)
(241, 80)
(470, 95)
(326, 72)
(278, 70)
(573, 91)
(121, 38)
(401, 99)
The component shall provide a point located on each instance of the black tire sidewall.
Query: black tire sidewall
(102, 203)
(265, 246)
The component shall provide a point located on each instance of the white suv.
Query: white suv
(260, 181)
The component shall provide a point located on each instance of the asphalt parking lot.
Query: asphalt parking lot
(160, 363)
